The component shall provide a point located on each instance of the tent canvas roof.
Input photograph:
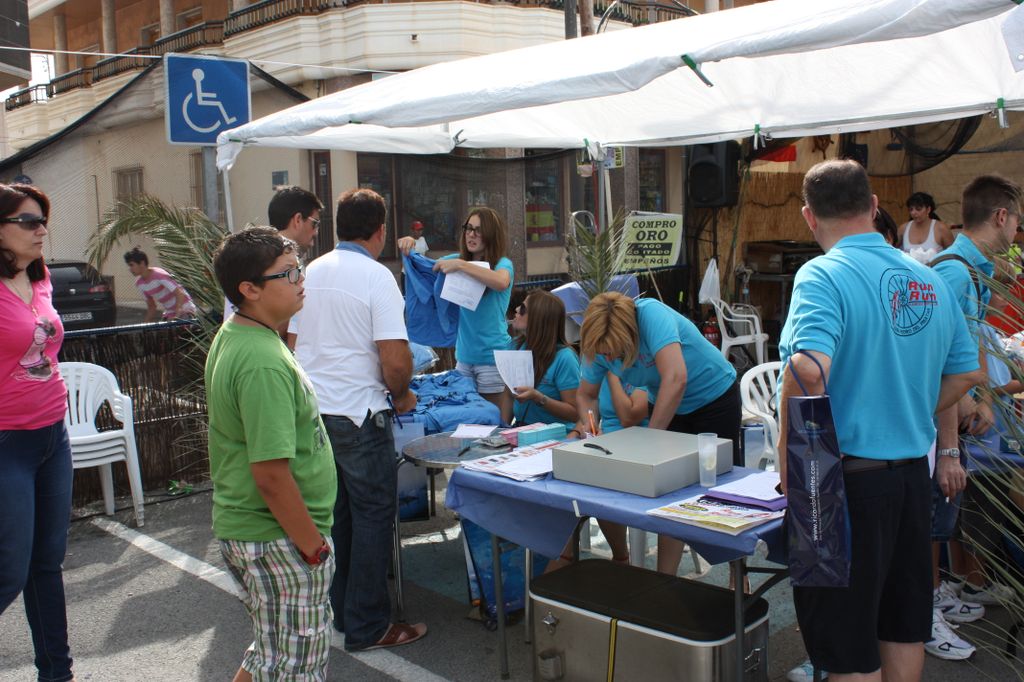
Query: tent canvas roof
(786, 68)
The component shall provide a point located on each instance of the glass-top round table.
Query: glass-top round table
(440, 451)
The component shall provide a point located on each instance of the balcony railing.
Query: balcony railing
(26, 96)
(129, 61)
(79, 78)
(269, 11)
(201, 35)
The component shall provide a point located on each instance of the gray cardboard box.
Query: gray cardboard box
(643, 461)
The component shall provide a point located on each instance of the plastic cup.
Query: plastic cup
(707, 459)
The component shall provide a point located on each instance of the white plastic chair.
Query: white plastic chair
(89, 386)
(757, 391)
(740, 325)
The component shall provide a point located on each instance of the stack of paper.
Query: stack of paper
(522, 464)
(758, 490)
(716, 515)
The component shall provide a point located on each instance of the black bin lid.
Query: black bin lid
(685, 608)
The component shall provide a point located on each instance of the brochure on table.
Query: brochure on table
(529, 463)
(717, 515)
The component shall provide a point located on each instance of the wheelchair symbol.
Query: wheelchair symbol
(204, 99)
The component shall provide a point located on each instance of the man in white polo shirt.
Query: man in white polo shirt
(352, 342)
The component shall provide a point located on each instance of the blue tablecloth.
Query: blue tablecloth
(983, 455)
(540, 514)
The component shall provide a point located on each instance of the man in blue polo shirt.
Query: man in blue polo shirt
(991, 207)
(893, 345)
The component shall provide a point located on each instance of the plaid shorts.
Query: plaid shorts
(289, 604)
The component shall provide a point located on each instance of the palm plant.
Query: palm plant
(185, 240)
(596, 257)
(998, 491)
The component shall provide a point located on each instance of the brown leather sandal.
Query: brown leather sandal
(399, 634)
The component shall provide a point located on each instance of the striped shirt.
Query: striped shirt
(162, 288)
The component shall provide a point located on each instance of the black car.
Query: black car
(82, 296)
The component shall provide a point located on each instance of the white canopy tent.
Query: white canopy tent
(785, 68)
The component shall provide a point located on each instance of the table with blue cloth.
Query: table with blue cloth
(988, 454)
(542, 515)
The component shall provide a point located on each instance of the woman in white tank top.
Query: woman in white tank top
(925, 235)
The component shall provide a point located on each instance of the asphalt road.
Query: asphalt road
(156, 604)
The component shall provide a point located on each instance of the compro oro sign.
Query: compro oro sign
(652, 240)
(205, 96)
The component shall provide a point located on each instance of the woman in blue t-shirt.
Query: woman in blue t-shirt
(556, 367)
(483, 239)
(692, 388)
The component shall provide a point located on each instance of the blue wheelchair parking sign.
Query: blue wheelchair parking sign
(205, 96)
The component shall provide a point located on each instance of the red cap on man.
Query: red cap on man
(416, 226)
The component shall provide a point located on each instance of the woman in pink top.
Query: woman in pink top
(35, 456)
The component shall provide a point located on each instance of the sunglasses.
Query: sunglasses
(472, 229)
(27, 222)
(293, 275)
(521, 309)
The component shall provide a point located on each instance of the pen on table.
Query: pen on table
(593, 425)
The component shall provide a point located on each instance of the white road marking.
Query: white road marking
(378, 659)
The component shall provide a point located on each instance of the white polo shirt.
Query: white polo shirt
(352, 301)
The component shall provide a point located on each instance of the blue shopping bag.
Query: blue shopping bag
(817, 519)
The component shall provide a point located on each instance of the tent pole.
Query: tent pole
(228, 213)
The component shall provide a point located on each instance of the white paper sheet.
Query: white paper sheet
(515, 367)
(463, 290)
(759, 486)
(473, 431)
(534, 466)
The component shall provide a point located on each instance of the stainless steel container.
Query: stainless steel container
(596, 615)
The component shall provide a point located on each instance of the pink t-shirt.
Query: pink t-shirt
(32, 392)
(162, 288)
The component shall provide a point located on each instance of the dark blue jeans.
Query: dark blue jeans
(364, 517)
(35, 511)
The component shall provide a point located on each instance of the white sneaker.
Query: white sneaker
(804, 673)
(944, 642)
(993, 593)
(953, 608)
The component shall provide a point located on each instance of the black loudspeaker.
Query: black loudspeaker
(714, 178)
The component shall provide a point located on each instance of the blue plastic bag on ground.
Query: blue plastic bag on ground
(817, 519)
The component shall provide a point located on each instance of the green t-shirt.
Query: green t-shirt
(262, 407)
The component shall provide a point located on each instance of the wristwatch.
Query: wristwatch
(543, 400)
(949, 452)
(319, 556)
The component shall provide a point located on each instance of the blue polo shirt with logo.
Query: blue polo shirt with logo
(892, 328)
(708, 375)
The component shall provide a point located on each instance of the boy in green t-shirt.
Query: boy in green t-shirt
(274, 480)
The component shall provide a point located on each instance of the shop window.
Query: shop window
(543, 191)
(652, 180)
(376, 172)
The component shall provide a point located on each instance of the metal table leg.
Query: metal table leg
(739, 571)
(499, 605)
(527, 579)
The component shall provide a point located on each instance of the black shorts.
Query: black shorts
(890, 594)
(722, 416)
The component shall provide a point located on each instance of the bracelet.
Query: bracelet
(543, 400)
